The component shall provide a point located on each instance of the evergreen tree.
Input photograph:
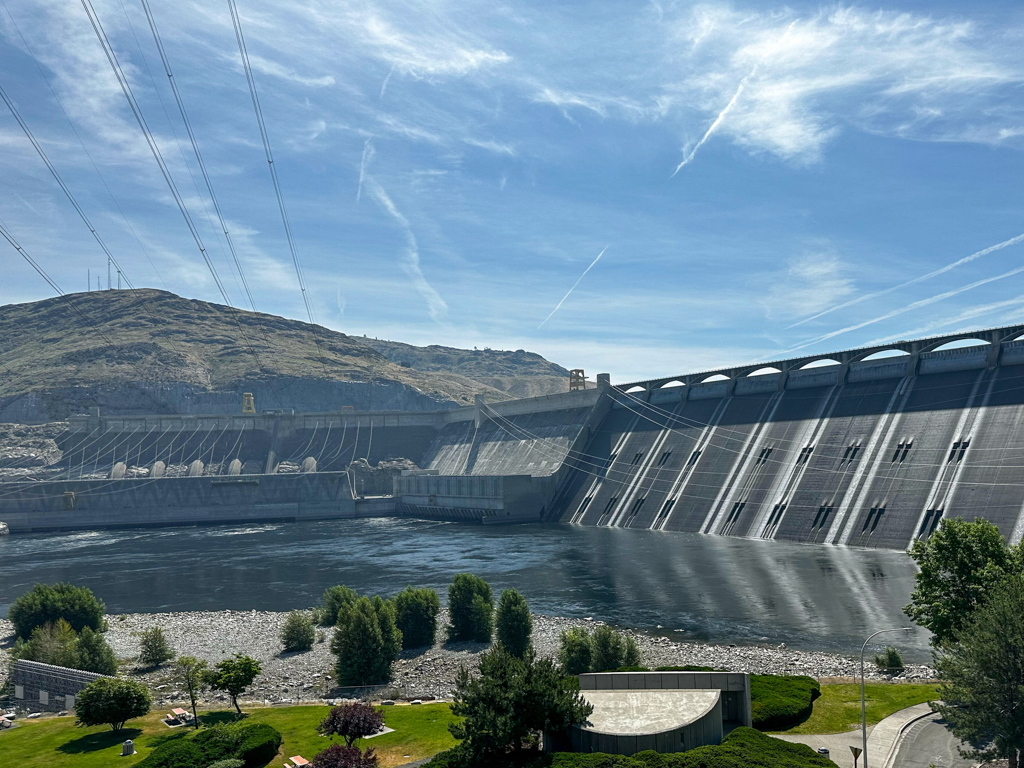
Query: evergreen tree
(982, 673)
(366, 642)
(154, 649)
(513, 622)
(95, 654)
(609, 651)
(416, 616)
(576, 651)
(335, 599)
(298, 632)
(470, 608)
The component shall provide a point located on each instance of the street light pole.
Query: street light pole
(863, 708)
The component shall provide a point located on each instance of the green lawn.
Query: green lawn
(420, 731)
(838, 708)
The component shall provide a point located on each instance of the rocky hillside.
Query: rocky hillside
(519, 373)
(151, 351)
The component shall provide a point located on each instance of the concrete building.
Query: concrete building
(660, 711)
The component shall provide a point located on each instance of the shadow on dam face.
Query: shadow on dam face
(717, 589)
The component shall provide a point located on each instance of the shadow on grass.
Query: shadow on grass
(159, 740)
(220, 717)
(97, 741)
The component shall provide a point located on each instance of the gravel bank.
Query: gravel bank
(292, 677)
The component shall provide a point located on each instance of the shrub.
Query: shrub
(889, 661)
(575, 651)
(351, 722)
(180, 753)
(366, 642)
(779, 702)
(297, 632)
(338, 756)
(78, 606)
(470, 603)
(231, 762)
(259, 744)
(95, 653)
(154, 648)
(111, 701)
(219, 742)
(334, 600)
(513, 622)
(416, 616)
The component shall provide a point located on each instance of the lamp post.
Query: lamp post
(863, 708)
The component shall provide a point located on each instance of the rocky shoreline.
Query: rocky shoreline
(419, 673)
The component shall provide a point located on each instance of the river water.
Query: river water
(713, 588)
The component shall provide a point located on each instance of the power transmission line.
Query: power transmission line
(236, 21)
(106, 186)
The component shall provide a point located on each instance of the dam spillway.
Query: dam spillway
(869, 447)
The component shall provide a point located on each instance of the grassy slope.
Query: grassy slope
(838, 708)
(158, 336)
(56, 743)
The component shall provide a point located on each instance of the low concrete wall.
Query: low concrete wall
(44, 687)
(91, 504)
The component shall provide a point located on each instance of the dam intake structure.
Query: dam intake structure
(870, 447)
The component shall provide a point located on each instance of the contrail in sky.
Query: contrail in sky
(384, 85)
(368, 153)
(716, 123)
(573, 287)
(921, 279)
(907, 308)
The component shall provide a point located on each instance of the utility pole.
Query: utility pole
(88, 280)
(108, 273)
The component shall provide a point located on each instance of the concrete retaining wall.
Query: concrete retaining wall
(44, 687)
(91, 504)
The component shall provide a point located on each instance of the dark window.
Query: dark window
(664, 457)
(666, 507)
(693, 458)
(805, 454)
(638, 457)
(584, 505)
(610, 505)
(638, 505)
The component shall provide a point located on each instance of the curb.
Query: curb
(898, 741)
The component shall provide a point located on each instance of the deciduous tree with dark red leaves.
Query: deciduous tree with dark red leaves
(338, 756)
(351, 722)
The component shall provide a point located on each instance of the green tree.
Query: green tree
(471, 618)
(192, 676)
(95, 653)
(366, 642)
(959, 564)
(111, 701)
(513, 622)
(154, 649)
(982, 673)
(511, 701)
(416, 615)
(47, 603)
(298, 632)
(889, 661)
(53, 643)
(575, 651)
(334, 600)
(233, 676)
(612, 650)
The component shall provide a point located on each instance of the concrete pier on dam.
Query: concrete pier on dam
(870, 447)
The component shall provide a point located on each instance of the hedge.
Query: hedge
(742, 748)
(780, 702)
(254, 744)
(260, 743)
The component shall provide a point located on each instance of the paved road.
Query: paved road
(928, 743)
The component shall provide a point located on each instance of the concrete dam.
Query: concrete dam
(870, 447)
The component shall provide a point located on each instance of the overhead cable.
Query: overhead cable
(236, 21)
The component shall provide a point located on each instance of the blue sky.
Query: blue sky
(452, 168)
